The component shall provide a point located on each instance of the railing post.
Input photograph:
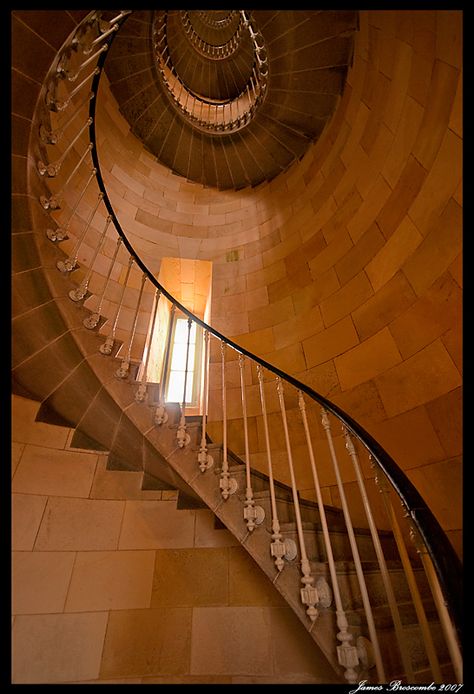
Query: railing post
(69, 264)
(141, 390)
(355, 551)
(227, 484)
(253, 515)
(181, 434)
(381, 482)
(92, 321)
(79, 293)
(52, 170)
(309, 594)
(54, 201)
(161, 415)
(107, 346)
(124, 368)
(60, 233)
(347, 654)
(392, 601)
(440, 602)
(204, 459)
(279, 548)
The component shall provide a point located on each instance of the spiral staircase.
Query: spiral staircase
(307, 54)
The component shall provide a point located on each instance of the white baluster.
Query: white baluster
(253, 515)
(123, 370)
(140, 394)
(72, 76)
(107, 346)
(54, 201)
(53, 169)
(69, 264)
(79, 293)
(409, 574)
(279, 548)
(227, 484)
(161, 415)
(182, 435)
(204, 459)
(346, 652)
(54, 105)
(355, 551)
(92, 321)
(60, 233)
(52, 137)
(309, 594)
(392, 601)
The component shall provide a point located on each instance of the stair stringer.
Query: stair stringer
(257, 543)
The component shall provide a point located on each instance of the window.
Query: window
(177, 370)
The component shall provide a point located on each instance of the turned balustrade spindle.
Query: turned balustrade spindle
(204, 459)
(253, 515)
(107, 346)
(54, 105)
(92, 321)
(79, 293)
(60, 233)
(279, 548)
(124, 368)
(346, 652)
(355, 551)
(161, 415)
(181, 434)
(140, 394)
(54, 201)
(309, 594)
(52, 137)
(52, 170)
(227, 484)
(70, 263)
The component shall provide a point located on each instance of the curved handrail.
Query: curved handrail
(446, 562)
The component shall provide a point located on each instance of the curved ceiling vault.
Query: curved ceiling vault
(306, 54)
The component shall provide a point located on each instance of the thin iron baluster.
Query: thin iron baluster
(79, 293)
(161, 415)
(140, 394)
(54, 201)
(409, 574)
(92, 321)
(124, 368)
(279, 548)
(70, 263)
(227, 484)
(253, 515)
(53, 169)
(355, 551)
(204, 459)
(309, 594)
(392, 601)
(107, 346)
(182, 435)
(347, 654)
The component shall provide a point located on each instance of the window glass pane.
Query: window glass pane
(178, 358)
(176, 387)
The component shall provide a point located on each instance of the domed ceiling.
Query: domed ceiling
(230, 98)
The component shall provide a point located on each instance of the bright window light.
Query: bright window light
(177, 371)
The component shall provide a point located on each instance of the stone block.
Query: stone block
(156, 525)
(54, 648)
(372, 357)
(327, 344)
(27, 512)
(423, 377)
(40, 581)
(115, 580)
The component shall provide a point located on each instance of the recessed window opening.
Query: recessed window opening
(185, 361)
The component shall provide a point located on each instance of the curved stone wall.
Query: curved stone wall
(346, 271)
